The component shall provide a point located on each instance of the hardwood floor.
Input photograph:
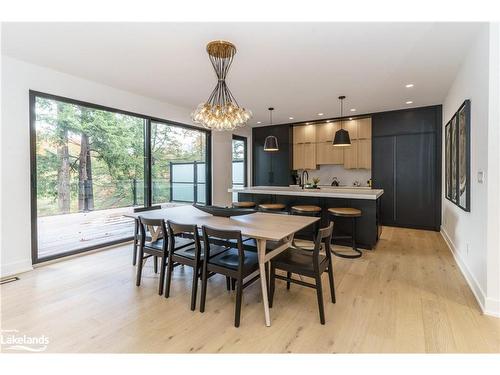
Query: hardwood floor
(407, 295)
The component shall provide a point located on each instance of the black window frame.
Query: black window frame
(245, 161)
(33, 94)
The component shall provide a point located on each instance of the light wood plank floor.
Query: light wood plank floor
(408, 295)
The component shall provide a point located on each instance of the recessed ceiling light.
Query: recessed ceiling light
(290, 118)
(353, 109)
(320, 114)
(328, 120)
(409, 85)
(259, 122)
(409, 102)
(350, 118)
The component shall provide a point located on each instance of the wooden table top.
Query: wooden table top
(255, 225)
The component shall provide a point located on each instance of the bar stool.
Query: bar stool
(243, 204)
(307, 210)
(352, 213)
(271, 207)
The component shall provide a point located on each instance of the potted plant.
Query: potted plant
(315, 182)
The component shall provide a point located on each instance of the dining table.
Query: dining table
(262, 227)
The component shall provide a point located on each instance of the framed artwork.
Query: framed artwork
(457, 157)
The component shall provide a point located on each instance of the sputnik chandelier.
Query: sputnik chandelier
(221, 111)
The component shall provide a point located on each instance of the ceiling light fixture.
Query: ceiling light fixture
(290, 118)
(409, 102)
(271, 142)
(353, 109)
(341, 138)
(320, 114)
(409, 85)
(221, 111)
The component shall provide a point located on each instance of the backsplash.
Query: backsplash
(344, 176)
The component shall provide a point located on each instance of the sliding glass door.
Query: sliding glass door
(91, 165)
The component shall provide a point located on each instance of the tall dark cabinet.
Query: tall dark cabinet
(272, 168)
(406, 163)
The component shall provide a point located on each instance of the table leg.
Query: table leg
(261, 249)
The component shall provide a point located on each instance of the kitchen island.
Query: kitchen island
(365, 199)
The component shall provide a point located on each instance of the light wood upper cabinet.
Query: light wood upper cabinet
(352, 127)
(364, 128)
(304, 134)
(304, 156)
(325, 132)
(365, 153)
(327, 153)
(351, 155)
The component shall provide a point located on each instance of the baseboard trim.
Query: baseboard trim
(15, 268)
(487, 305)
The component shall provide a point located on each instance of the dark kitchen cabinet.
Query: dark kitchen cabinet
(406, 163)
(272, 168)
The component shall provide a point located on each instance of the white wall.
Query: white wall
(468, 232)
(18, 78)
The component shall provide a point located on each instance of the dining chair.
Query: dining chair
(150, 248)
(188, 254)
(235, 263)
(306, 263)
(137, 235)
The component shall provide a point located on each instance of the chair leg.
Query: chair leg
(155, 264)
(332, 282)
(239, 292)
(289, 276)
(136, 242)
(272, 284)
(194, 287)
(139, 266)
(163, 266)
(266, 267)
(319, 291)
(170, 270)
(204, 279)
(228, 283)
(233, 284)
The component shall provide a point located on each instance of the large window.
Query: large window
(239, 151)
(91, 164)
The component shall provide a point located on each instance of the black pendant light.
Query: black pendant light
(342, 138)
(271, 142)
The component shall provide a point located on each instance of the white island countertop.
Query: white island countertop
(327, 192)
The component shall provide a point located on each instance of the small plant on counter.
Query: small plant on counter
(316, 182)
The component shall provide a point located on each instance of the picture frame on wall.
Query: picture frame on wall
(457, 157)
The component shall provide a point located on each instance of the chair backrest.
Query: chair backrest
(159, 223)
(224, 235)
(175, 229)
(142, 209)
(324, 236)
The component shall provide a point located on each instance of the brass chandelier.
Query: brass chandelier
(221, 111)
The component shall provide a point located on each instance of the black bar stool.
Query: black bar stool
(243, 204)
(271, 207)
(348, 212)
(307, 210)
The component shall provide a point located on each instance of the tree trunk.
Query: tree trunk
(85, 193)
(63, 188)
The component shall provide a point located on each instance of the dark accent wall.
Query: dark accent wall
(406, 163)
(272, 168)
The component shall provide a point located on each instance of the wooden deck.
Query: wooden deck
(62, 233)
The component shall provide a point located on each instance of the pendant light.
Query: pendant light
(271, 142)
(342, 138)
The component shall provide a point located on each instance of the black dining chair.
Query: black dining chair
(306, 263)
(235, 263)
(187, 254)
(149, 248)
(137, 234)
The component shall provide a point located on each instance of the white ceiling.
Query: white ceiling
(299, 68)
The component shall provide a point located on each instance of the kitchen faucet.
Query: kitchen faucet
(303, 182)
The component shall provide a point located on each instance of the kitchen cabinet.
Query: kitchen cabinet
(364, 153)
(327, 153)
(304, 134)
(351, 155)
(364, 126)
(304, 156)
(325, 132)
(352, 127)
